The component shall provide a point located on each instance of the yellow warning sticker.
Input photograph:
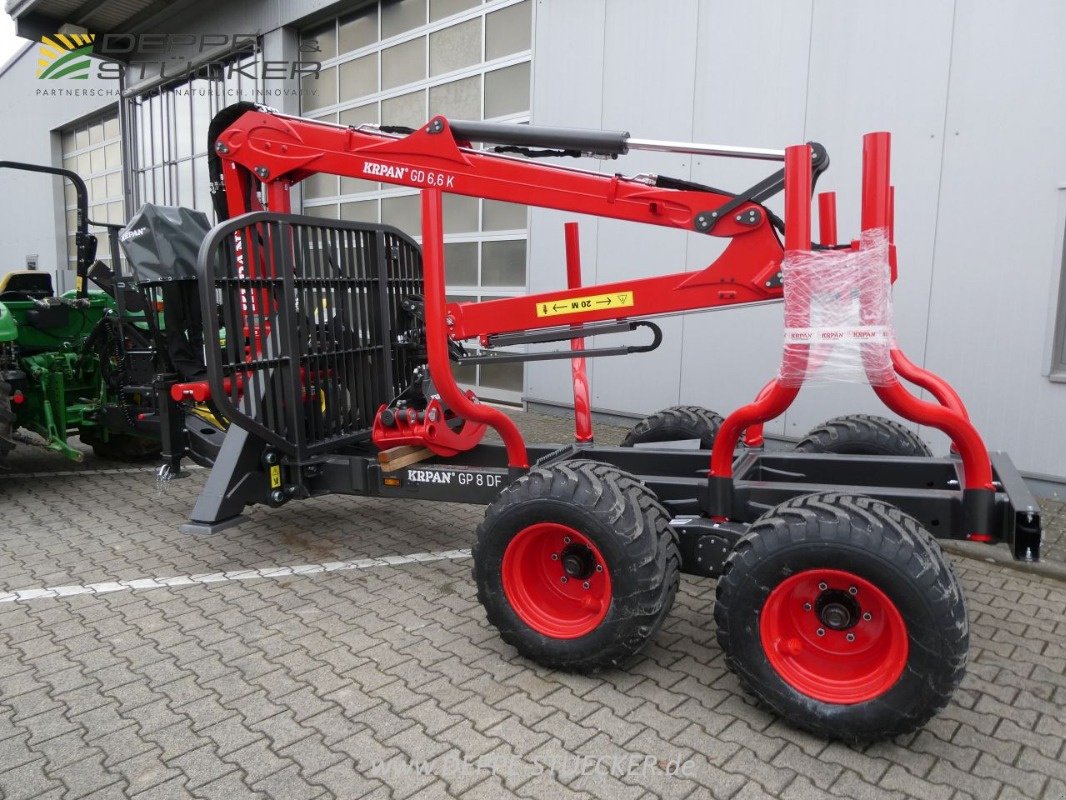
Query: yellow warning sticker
(582, 305)
(275, 476)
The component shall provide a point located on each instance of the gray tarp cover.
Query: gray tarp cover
(161, 242)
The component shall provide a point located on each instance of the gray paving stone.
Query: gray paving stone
(201, 766)
(80, 778)
(290, 784)
(145, 771)
(27, 780)
(297, 687)
(343, 780)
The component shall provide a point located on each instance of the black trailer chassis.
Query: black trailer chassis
(248, 471)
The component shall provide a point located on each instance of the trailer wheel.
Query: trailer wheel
(674, 424)
(7, 421)
(865, 435)
(840, 613)
(576, 565)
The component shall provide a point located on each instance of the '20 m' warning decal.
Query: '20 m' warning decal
(581, 305)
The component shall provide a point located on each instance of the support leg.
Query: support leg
(237, 479)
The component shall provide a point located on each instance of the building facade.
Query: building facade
(963, 87)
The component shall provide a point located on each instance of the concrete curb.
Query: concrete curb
(1001, 558)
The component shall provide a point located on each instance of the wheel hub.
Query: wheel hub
(837, 609)
(556, 580)
(834, 636)
(578, 561)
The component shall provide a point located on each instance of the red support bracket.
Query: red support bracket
(948, 414)
(775, 397)
(582, 403)
(437, 337)
(827, 219)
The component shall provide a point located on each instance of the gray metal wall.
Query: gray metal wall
(972, 93)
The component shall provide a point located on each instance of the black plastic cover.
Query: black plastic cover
(48, 317)
(606, 143)
(222, 120)
(161, 243)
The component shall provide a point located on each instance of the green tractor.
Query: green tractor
(80, 363)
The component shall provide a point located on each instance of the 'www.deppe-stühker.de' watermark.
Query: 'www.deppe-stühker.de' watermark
(634, 765)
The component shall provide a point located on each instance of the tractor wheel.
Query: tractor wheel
(7, 421)
(577, 566)
(863, 435)
(674, 424)
(123, 447)
(840, 613)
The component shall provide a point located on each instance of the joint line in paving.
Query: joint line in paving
(138, 584)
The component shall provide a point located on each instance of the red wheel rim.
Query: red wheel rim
(556, 580)
(834, 636)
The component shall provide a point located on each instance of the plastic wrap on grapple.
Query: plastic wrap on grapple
(838, 315)
(161, 243)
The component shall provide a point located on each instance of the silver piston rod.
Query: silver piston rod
(655, 145)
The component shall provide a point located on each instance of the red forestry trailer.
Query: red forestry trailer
(330, 352)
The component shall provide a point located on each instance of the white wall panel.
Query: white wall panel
(970, 92)
(875, 67)
(752, 62)
(648, 80)
(567, 92)
(1000, 228)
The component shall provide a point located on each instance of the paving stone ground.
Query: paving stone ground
(386, 681)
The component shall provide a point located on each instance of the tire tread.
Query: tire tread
(909, 548)
(636, 514)
(674, 423)
(861, 432)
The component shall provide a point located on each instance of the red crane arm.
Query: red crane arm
(279, 151)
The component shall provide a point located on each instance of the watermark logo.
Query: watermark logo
(166, 58)
(65, 55)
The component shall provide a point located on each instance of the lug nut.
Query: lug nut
(564, 579)
(821, 631)
(807, 606)
(555, 556)
(566, 540)
(599, 567)
(853, 590)
(867, 616)
(850, 637)
(585, 585)
(823, 586)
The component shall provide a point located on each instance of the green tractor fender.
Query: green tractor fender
(8, 328)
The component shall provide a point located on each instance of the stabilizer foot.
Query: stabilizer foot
(194, 528)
